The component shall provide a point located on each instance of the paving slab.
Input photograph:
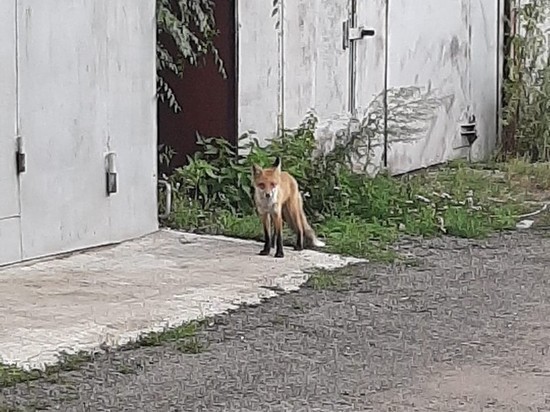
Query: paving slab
(113, 294)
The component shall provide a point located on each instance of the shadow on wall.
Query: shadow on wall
(411, 113)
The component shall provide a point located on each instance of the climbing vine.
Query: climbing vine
(526, 114)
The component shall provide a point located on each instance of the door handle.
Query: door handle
(364, 33)
(355, 33)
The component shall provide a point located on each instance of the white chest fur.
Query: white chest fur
(266, 204)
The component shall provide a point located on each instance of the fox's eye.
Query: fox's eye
(273, 185)
(261, 186)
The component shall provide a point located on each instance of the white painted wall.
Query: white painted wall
(86, 86)
(437, 61)
(428, 86)
(289, 62)
(315, 65)
(259, 71)
(10, 250)
(486, 73)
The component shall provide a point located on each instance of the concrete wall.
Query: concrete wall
(403, 93)
(84, 75)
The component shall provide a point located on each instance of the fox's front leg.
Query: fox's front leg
(266, 222)
(273, 238)
(278, 223)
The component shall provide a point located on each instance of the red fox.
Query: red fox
(278, 198)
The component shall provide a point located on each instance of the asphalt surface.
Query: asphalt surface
(467, 328)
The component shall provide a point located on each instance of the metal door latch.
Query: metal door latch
(111, 174)
(469, 131)
(354, 33)
(20, 157)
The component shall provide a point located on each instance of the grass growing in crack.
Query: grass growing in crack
(10, 409)
(70, 362)
(125, 370)
(339, 279)
(11, 375)
(325, 280)
(184, 338)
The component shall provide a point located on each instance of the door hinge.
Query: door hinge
(20, 157)
(354, 33)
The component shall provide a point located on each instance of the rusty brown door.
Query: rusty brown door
(208, 101)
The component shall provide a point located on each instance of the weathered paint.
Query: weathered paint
(299, 43)
(486, 78)
(329, 77)
(9, 191)
(428, 86)
(86, 86)
(369, 66)
(10, 240)
(259, 86)
(315, 64)
(430, 67)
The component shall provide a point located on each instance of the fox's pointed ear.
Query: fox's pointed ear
(277, 163)
(256, 170)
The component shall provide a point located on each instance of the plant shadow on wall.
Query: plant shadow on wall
(410, 112)
(526, 117)
(357, 215)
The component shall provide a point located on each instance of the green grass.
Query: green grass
(357, 215)
(324, 280)
(469, 201)
(11, 375)
(125, 370)
(352, 236)
(9, 409)
(183, 338)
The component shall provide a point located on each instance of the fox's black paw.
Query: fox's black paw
(279, 254)
(298, 247)
(264, 252)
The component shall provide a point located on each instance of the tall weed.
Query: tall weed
(355, 213)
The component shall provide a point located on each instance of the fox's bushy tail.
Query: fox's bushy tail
(310, 238)
(309, 234)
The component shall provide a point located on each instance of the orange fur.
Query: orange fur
(277, 198)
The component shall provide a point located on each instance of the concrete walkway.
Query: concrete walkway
(466, 328)
(111, 295)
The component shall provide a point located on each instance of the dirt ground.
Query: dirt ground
(466, 328)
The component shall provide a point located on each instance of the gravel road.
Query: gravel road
(465, 329)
